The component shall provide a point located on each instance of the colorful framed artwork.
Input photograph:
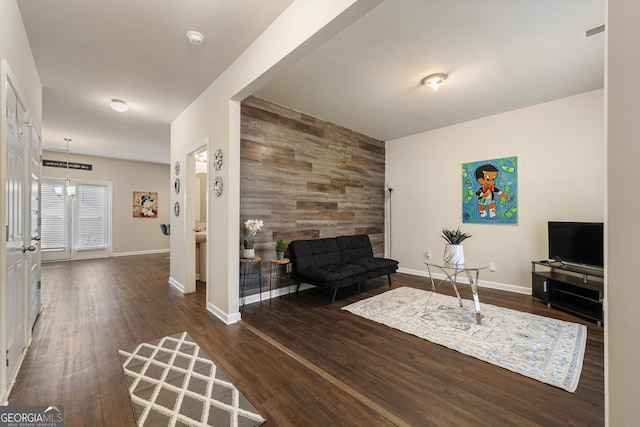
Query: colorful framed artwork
(145, 204)
(490, 191)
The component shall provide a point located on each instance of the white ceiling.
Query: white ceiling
(88, 52)
(500, 55)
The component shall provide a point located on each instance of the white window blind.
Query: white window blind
(90, 217)
(52, 231)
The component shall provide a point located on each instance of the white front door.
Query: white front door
(16, 218)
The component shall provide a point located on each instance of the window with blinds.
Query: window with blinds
(52, 230)
(88, 213)
(90, 218)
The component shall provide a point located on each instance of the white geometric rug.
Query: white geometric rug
(542, 348)
(173, 382)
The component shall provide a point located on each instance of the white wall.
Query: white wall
(560, 148)
(622, 292)
(130, 235)
(15, 48)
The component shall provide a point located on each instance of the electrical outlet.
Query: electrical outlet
(492, 266)
(428, 254)
(146, 240)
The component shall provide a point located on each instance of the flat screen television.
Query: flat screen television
(577, 242)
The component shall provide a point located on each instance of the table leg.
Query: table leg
(474, 291)
(270, 282)
(448, 276)
(433, 286)
(455, 287)
(260, 282)
(244, 282)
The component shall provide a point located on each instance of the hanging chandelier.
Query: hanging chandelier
(71, 189)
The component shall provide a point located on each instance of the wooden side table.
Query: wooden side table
(246, 265)
(278, 273)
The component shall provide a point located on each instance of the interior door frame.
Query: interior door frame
(189, 203)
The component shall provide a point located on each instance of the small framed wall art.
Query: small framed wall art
(145, 204)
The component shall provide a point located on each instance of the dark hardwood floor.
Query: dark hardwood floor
(300, 361)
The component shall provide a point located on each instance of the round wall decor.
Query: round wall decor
(176, 185)
(176, 209)
(177, 168)
(217, 185)
(217, 159)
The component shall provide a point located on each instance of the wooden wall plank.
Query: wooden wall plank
(307, 178)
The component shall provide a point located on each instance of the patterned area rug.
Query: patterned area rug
(172, 382)
(538, 347)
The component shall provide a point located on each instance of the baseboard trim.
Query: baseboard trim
(481, 283)
(23, 356)
(267, 295)
(146, 252)
(173, 282)
(228, 319)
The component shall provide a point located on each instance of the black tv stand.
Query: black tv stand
(574, 288)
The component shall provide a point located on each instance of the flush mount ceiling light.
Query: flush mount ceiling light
(434, 80)
(195, 38)
(119, 105)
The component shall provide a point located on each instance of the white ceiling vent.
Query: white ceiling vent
(593, 35)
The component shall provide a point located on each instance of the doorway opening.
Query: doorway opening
(196, 216)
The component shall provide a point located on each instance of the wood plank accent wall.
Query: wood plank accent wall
(307, 178)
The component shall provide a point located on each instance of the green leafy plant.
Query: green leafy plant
(454, 237)
(281, 245)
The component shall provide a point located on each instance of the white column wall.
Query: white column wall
(622, 295)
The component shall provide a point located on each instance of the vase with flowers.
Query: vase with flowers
(252, 227)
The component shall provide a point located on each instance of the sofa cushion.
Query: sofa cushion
(354, 247)
(333, 275)
(377, 266)
(314, 253)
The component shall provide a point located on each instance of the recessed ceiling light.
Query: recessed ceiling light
(195, 38)
(119, 105)
(434, 80)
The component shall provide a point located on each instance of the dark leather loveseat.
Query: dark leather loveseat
(336, 262)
